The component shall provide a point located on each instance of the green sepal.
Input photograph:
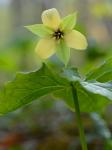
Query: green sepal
(63, 52)
(40, 30)
(68, 22)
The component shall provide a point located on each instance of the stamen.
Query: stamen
(58, 34)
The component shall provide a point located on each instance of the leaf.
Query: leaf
(97, 95)
(63, 52)
(28, 87)
(71, 74)
(40, 30)
(68, 22)
(102, 73)
(93, 97)
(104, 89)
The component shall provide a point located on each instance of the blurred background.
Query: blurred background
(47, 124)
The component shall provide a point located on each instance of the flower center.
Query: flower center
(58, 34)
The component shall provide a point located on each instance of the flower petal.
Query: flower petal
(75, 39)
(45, 48)
(51, 18)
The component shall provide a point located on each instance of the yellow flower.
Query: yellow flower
(58, 35)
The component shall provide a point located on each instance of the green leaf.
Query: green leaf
(103, 73)
(28, 87)
(104, 89)
(63, 52)
(93, 97)
(40, 30)
(71, 74)
(69, 22)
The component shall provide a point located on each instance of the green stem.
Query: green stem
(78, 117)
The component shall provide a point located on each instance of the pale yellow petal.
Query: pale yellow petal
(45, 48)
(51, 18)
(75, 39)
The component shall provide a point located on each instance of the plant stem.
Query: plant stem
(78, 118)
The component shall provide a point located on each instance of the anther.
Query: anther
(58, 34)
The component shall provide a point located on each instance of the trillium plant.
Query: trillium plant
(91, 93)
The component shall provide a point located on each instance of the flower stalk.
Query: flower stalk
(78, 118)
